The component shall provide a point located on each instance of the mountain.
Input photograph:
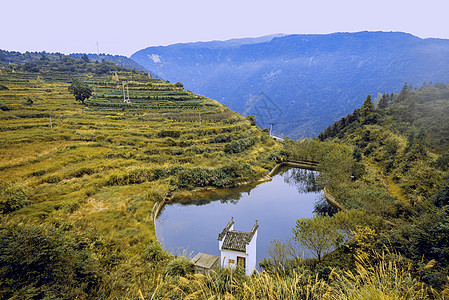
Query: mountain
(301, 83)
(119, 60)
(17, 58)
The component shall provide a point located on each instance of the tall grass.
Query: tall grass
(386, 279)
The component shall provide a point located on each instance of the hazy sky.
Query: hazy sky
(123, 27)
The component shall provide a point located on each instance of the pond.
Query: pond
(277, 204)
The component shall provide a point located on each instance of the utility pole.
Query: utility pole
(271, 128)
(124, 96)
(199, 116)
(127, 91)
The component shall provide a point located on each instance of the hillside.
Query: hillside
(17, 58)
(119, 60)
(398, 168)
(84, 178)
(307, 81)
(424, 110)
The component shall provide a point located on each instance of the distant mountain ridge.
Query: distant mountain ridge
(15, 57)
(300, 83)
(119, 60)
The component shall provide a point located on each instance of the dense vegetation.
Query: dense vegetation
(14, 58)
(387, 165)
(78, 182)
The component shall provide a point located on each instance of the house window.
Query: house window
(241, 261)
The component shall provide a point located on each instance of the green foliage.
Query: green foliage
(12, 197)
(154, 252)
(241, 145)
(348, 221)
(101, 168)
(425, 239)
(442, 162)
(43, 262)
(441, 197)
(180, 266)
(367, 112)
(80, 90)
(336, 167)
(318, 234)
(251, 119)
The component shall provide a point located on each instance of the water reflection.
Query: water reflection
(323, 207)
(195, 220)
(306, 181)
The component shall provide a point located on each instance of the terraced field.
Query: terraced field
(100, 168)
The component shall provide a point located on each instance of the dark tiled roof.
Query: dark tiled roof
(225, 230)
(237, 240)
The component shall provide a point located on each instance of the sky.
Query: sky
(124, 27)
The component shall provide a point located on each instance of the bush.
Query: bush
(240, 145)
(12, 197)
(179, 266)
(154, 252)
(43, 262)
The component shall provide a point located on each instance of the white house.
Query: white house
(238, 247)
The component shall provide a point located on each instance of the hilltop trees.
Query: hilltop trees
(318, 234)
(80, 90)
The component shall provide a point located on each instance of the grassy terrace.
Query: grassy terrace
(98, 169)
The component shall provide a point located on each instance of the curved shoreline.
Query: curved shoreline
(310, 165)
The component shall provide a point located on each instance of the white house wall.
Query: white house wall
(227, 255)
(250, 256)
(251, 249)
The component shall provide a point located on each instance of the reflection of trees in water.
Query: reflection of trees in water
(306, 181)
(323, 207)
(226, 195)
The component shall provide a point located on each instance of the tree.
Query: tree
(80, 90)
(41, 262)
(367, 113)
(251, 119)
(383, 103)
(318, 234)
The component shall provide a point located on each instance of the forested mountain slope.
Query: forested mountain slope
(301, 83)
(398, 169)
(14, 57)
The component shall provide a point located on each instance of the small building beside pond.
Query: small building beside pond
(238, 248)
(203, 263)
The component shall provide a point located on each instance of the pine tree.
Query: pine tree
(85, 58)
(367, 107)
(367, 113)
(383, 103)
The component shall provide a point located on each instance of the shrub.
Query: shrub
(43, 262)
(12, 197)
(180, 266)
(240, 145)
(169, 133)
(154, 252)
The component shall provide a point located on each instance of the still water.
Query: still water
(277, 204)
